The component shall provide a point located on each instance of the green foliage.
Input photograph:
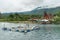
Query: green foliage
(58, 14)
(57, 18)
(18, 17)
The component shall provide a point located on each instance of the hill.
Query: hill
(37, 11)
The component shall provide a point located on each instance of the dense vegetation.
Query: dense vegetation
(57, 18)
(17, 17)
(22, 17)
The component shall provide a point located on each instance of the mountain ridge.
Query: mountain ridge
(38, 11)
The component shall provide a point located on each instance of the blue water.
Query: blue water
(46, 32)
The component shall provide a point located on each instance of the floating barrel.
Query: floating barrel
(17, 30)
(4, 28)
(28, 30)
(9, 29)
(25, 30)
(22, 31)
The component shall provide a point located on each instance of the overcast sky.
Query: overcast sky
(25, 5)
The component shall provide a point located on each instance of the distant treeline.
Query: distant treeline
(17, 17)
(22, 17)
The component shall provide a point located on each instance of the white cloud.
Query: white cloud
(51, 3)
(25, 5)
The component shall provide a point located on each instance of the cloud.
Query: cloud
(51, 3)
(25, 5)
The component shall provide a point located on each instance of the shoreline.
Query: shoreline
(30, 22)
(26, 22)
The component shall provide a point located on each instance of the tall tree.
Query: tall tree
(0, 15)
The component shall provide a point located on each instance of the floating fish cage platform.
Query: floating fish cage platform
(20, 30)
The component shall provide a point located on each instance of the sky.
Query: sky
(26, 5)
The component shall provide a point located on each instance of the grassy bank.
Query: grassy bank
(4, 20)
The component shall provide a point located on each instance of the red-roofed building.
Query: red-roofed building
(47, 16)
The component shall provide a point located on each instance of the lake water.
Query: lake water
(46, 32)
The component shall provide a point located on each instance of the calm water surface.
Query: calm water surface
(46, 32)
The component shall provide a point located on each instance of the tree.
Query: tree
(0, 15)
(11, 17)
(58, 14)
